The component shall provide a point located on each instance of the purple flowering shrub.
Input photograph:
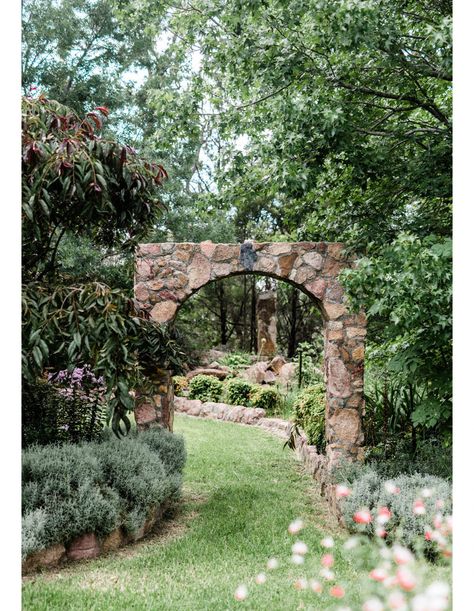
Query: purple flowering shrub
(69, 407)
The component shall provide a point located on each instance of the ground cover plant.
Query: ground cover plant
(240, 493)
(70, 490)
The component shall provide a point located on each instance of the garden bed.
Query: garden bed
(80, 501)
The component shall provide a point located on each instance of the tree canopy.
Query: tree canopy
(280, 120)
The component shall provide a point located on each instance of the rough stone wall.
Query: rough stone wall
(168, 274)
(267, 323)
(156, 409)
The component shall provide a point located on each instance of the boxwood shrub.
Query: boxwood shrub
(205, 388)
(266, 397)
(237, 391)
(69, 490)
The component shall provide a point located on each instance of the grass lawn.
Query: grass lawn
(241, 491)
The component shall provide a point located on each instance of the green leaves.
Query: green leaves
(76, 181)
(406, 291)
(68, 326)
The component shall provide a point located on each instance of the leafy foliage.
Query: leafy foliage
(180, 383)
(205, 388)
(309, 413)
(74, 180)
(51, 416)
(238, 391)
(410, 288)
(78, 51)
(97, 325)
(237, 360)
(408, 528)
(266, 398)
(309, 356)
(70, 490)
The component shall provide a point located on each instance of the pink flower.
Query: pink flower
(439, 504)
(351, 543)
(272, 563)
(396, 600)
(295, 526)
(327, 542)
(260, 578)
(391, 488)
(241, 593)
(384, 515)
(378, 574)
(300, 584)
(428, 535)
(299, 548)
(402, 555)
(373, 604)
(316, 586)
(342, 491)
(337, 592)
(449, 523)
(438, 520)
(419, 507)
(327, 574)
(297, 559)
(406, 579)
(381, 532)
(362, 516)
(390, 581)
(327, 560)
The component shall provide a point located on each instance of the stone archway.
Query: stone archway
(168, 274)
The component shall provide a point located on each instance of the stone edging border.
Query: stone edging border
(315, 463)
(91, 545)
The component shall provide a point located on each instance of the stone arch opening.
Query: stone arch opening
(246, 323)
(167, 274)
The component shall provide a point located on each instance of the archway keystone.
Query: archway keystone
(168, 274)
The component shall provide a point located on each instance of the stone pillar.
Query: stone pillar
(156, 408)
(344, 374)
(267, 323)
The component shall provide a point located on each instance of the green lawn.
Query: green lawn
(241, 491)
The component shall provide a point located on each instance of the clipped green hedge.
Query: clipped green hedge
(266, 397)
(205, 388)
(70, 490)
(237, 391)
(309, 413)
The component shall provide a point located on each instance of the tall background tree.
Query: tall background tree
(290, 120)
